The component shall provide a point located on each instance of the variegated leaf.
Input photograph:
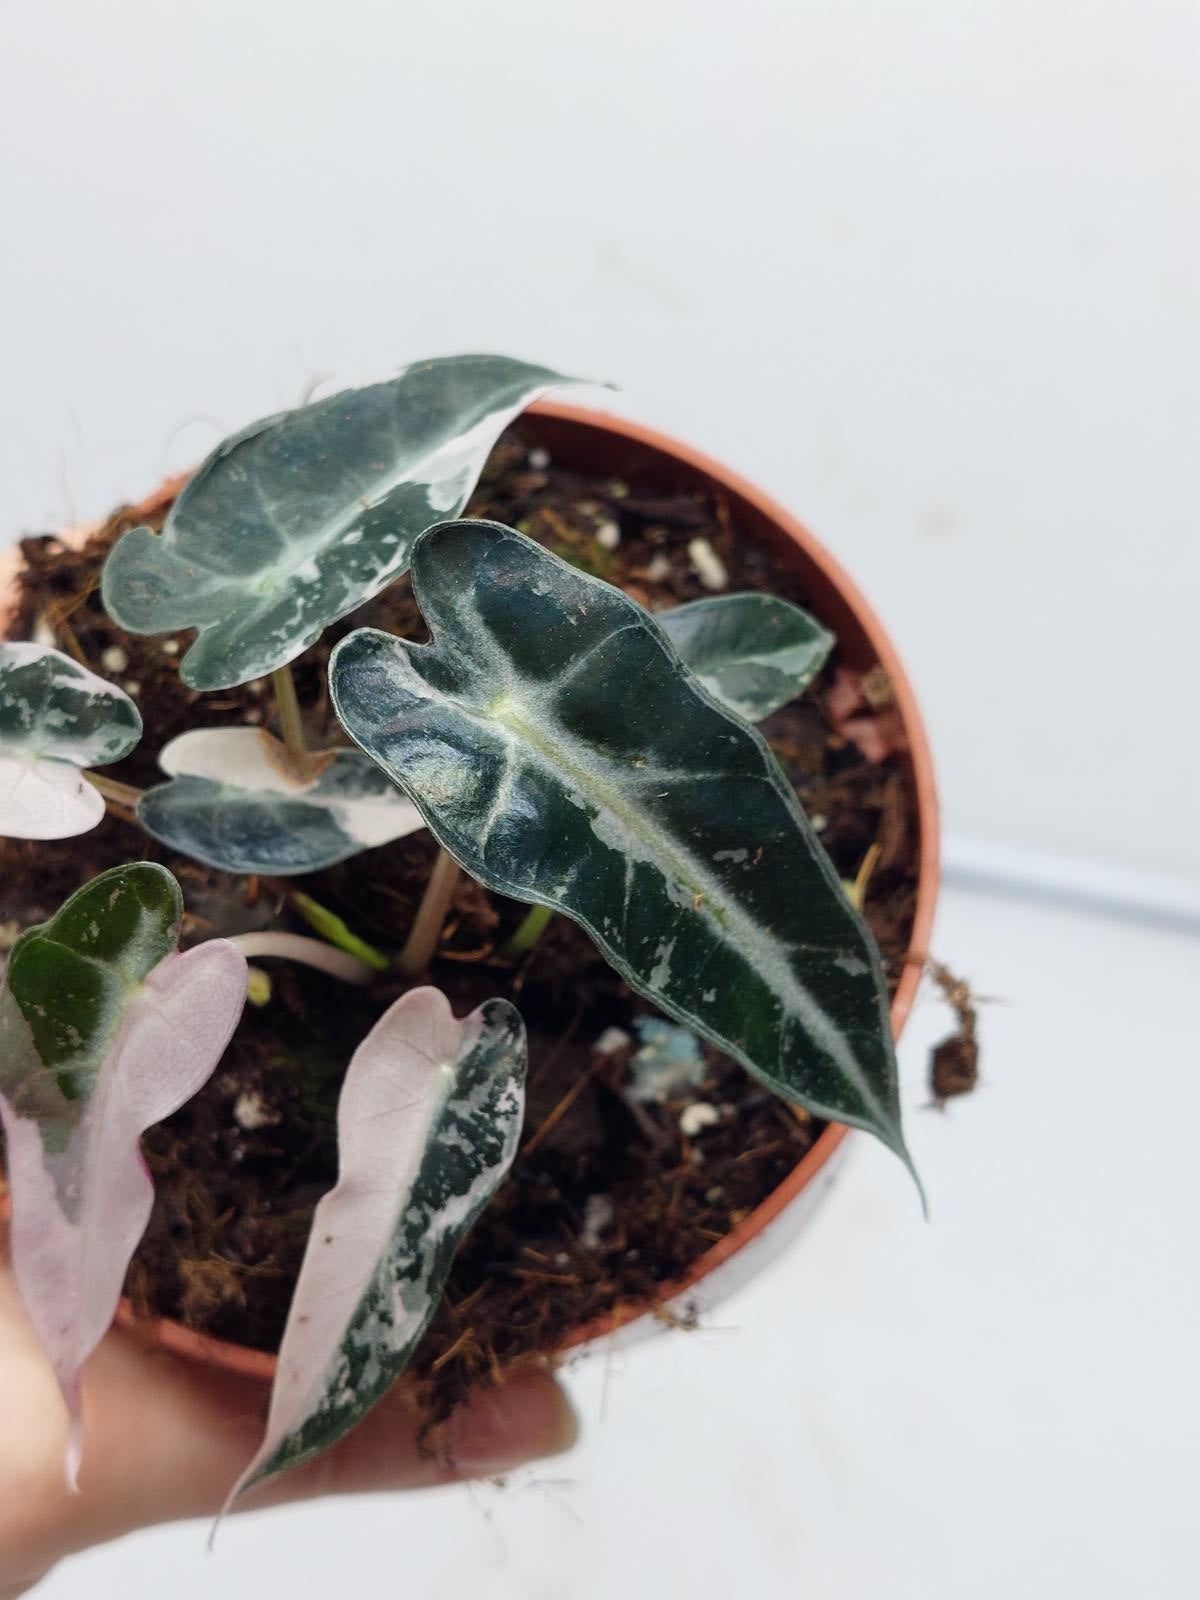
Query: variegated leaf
(562, 753)
(104, 1030)
(428, 1122)
(300, 518)
(230, 805)
(56, 717)
(752, 652)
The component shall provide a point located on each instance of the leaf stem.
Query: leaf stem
(858, 889)
(331, 927)
(288, 707)
(123, 794)
(530, 929)
(427, 925)
(311, 952)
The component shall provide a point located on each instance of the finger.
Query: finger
(528, 1418)
(166, 1439)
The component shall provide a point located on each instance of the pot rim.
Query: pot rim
(173, 1336)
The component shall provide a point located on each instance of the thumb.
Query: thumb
(525, 1418)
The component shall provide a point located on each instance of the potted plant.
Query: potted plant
(547, 963)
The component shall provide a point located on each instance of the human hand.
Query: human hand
(165, 1439)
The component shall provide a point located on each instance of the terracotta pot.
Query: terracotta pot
(613, 448)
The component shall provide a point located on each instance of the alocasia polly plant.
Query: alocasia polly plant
(565, 747)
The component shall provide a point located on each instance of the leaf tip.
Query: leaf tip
(73, 1451)
(893, 1138)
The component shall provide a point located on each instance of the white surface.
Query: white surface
(1002, 1403)
(931, 272)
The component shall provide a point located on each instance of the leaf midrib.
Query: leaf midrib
(733, 924)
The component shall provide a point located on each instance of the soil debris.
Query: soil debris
(954, 1063)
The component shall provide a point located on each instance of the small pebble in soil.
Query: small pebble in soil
(610, 1041)
(658, 569)
(598, 1214)
(695, 1118)
(114, 659)
(608, 534)
(251, 1112)
(538, 458)
(710, 569)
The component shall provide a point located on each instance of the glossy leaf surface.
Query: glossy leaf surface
(428, 1122)
(301, 517)
(563, 754)
(56, 718)
(104, 1030)
(230, 805)
(752, 652)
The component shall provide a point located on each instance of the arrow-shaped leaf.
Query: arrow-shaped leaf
(230, 805)
(562, 753)
(428, 1122)
(56, 717)
(300, 518)
(752, 652)
(104, 1030)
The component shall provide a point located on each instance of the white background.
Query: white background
(931, 273)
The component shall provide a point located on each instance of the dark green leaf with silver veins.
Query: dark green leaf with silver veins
(562, 753)
(428, 1120)
(56, 718)
(227, 804)
(752, 652)
(301, 517)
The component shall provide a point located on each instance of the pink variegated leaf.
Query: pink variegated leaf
(428, 1122)
(105, 1029)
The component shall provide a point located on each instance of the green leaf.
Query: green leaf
(229, 806)
(56, 717)
(73, 977)
(752, 652)
(300, 518)
(428, 1122)
(562, 753)
(104, 1029)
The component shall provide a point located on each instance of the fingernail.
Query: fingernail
(528, 1419)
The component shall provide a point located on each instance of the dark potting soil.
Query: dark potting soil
(609, 1197)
